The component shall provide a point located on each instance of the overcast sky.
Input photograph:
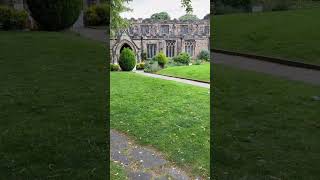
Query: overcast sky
(145, 8)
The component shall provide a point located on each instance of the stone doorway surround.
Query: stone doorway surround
(124, 40)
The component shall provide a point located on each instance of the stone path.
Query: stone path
(195, 83)
(94, 34)
(141, 163)
(289, 72)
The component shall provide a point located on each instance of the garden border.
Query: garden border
(181, 78)
(268, 59)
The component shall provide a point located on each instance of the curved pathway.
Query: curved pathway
(289, 72)
(194, 83)
(142, 163)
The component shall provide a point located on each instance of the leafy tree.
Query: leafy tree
(117, 22)
(160, 16)
(188, 17)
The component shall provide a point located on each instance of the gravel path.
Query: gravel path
(195, 83)
(142, 163)
(289, 72)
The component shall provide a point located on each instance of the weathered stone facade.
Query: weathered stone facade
(171, 37)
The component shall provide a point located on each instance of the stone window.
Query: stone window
(144, 29)
(190, 47)
(184, 29)
(206, 30)
(131, 30)
(170, 48)
(151, 50)
(164, 29)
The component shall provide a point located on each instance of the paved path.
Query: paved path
(94, 34)
(289, 72)
(195, 83)
(141, 163)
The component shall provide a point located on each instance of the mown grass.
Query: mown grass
(170, 116)
(265, 127)
(292, 34)
(195, 72)
(117, 172)
(52, 117)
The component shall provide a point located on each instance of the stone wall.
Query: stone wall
(145, 31)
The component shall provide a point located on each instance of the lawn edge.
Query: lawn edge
(179, 77)
(268, 59)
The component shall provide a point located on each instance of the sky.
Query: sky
(145, 8)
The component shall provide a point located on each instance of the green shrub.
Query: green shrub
(204, 55)
(143, 56)
(152, 66)
(55, 14)
(198, 62)
(140, 66)
(183, 58)
(114, 67)
(97, 15)
(11, 19)
(127, 60)
(161, 58)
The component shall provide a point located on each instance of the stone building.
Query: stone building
(171, 37)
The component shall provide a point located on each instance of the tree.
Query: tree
(117, 22)
(160, 16)
(207, 17)
(188, 17)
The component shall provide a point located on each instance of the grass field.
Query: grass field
(170, 116)
(196, 72)
(287, 34)
(265, 127)
(52, 91)
(117, 172)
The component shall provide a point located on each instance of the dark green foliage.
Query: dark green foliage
(160, 16)
(204, 55)
(97, 15)
(231, 6)
(183, 58)
(140, 66)
(127, 60)
(12, 19)
(161, 59)
(114, 67)
(55, 15)
(144, 56)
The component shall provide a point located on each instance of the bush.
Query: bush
(140, 66)
(97, 15)
(13, 19)
(161, 58)
(127, 60)
(152, 66)
(114, 67)
(198, 62)
(183, 58)
(143, 56)
(55, 14)
(204, 55)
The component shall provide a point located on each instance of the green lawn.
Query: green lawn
(52, 117)
(287, 34)
(117, 172)
(196, 72)
(170, 116)
(265, 127)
